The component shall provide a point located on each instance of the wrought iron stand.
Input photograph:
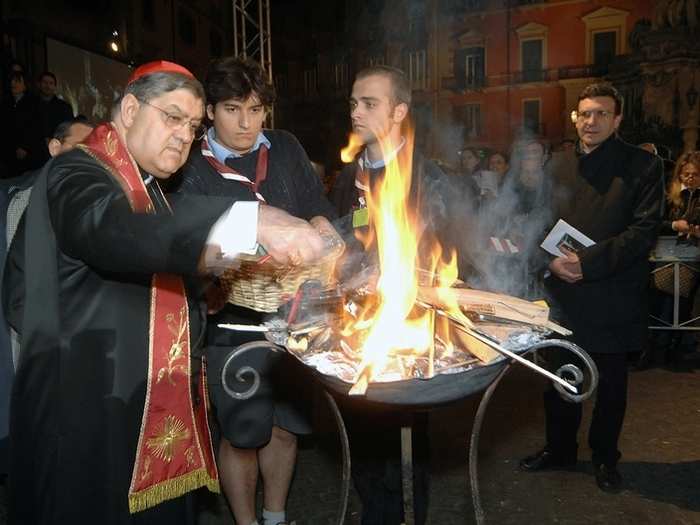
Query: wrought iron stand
(570, 372)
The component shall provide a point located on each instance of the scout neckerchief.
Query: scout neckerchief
(360, 215)
(174, 454)
(231, 174)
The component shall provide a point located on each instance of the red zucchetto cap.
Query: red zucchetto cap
(158, 66)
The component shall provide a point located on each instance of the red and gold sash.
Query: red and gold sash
(174, 454)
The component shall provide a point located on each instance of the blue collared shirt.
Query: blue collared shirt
(221, 152)
(368, 164)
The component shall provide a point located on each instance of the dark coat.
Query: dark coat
(77, 289)
(613, 195)
(291, 184)
(689, 210)
(22, 119)
(434, 196)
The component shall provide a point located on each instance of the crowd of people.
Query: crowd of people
(31, 116)
(117, 233)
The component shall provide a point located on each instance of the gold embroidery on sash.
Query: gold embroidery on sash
(170, 433)
(177, 350)
(146, 469)
(189, 456)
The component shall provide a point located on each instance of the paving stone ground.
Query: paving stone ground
(660, 464)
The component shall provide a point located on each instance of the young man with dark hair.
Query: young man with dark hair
(240, 159)
(611, 191)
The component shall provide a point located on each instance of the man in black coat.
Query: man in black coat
(52, 110)
(101, 284)
(23, 148)
(611, 191)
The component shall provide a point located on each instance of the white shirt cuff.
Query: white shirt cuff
(235, 232)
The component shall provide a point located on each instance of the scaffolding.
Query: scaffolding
(252, 36)
(251, 32)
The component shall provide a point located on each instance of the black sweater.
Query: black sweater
(291, 184)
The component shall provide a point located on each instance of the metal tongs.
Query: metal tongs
(485, 338)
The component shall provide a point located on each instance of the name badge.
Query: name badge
(360, 217)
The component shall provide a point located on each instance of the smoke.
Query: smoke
(500, 250)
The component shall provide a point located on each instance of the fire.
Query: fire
(348, 153)
(395, 324)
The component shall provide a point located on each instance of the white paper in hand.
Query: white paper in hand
(563, 235)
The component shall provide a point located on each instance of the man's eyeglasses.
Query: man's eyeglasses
(177, 121)
(598, 113)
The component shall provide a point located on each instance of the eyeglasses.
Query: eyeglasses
(598, 113)
(176, 121)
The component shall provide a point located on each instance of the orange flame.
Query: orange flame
(392, 322)
(349, 152)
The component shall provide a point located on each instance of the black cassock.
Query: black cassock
(78, 397)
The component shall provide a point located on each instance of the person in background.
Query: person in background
(566, 146)
(682, 220)
(52, 110)
(23, 146)
(14, 196)
(470, 170)
(524, 213)
(498, 163)
(18, 190)
(610, 191)
(492, 179)
(470, 161)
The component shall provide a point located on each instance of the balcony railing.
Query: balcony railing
(517, 3)
(524, 77)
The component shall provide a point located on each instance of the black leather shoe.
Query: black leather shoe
(545, 460)
(608, 478)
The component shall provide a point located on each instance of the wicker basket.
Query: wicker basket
(264, 287)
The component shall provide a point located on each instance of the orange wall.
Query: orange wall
(501, 109)
(566, 36)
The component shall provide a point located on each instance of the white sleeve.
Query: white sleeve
(235, 232)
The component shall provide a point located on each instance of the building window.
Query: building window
(417, 69)
(469, 68)
(604, 49)
(532, 121)
(340, 76)
(531, 52)
(470, 118)
(186, 27)
(606, 35)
